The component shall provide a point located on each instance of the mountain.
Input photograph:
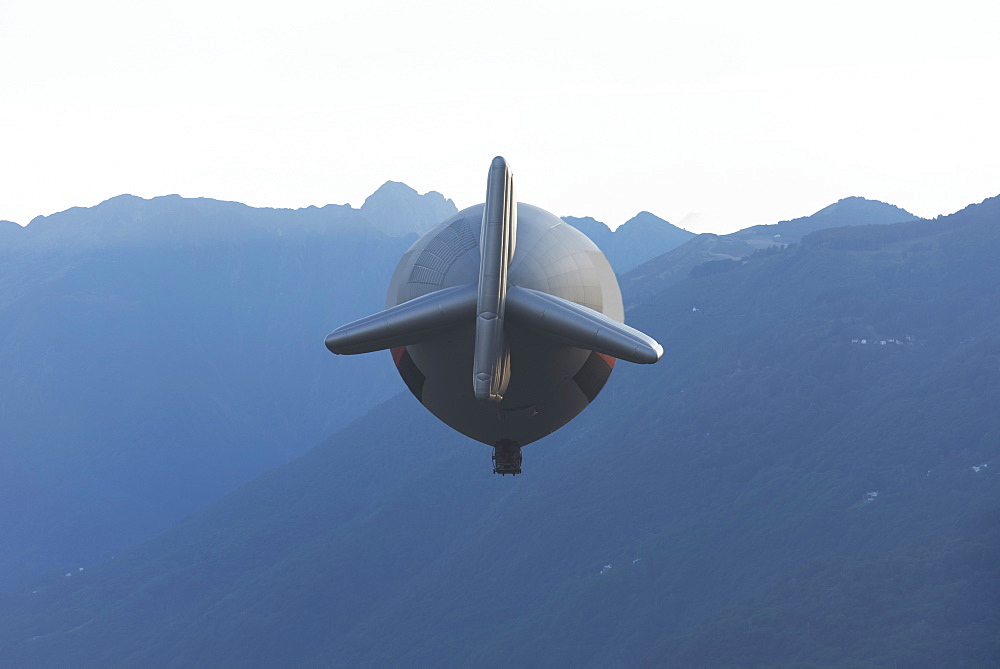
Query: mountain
(396, 210)
(597, 232)
(8, 228)
(642, 237)
(808, 478)
(665, 270)
(847, 211)
(154, 354)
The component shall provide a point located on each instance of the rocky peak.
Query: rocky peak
(395, 209)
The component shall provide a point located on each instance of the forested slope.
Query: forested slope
(716, 509)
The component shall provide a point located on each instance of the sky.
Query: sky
(712, 115)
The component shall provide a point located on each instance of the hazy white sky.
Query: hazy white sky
(713, 115)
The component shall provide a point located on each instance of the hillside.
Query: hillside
(844, 212)
(642, 237)
(155, 354)
(667, 269)
(716, 509)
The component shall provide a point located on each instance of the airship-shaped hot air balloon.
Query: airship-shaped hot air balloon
(504, 321)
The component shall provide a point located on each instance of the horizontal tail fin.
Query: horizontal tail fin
(407, 323)
(575, 325)
(552, 317)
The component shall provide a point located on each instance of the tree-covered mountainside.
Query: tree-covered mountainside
(844, 212)
(155, 354)
(808, 478)
(665, 270)
(642, 237)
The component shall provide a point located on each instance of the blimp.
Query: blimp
(503, 321)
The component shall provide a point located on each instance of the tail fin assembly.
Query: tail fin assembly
(494, 306)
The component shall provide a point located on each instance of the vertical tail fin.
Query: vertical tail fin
(491, 367)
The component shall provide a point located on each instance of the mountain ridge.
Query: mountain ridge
(675, 265)
(795, 384)
(140, 335)
(641, 238)
(395, 209)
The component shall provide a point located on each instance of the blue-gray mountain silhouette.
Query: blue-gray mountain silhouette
(155, 354)
(806, 479)
(642, 237)
(395, 209)
(669, 268)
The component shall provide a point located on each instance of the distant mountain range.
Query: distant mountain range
(806, 479)
(395, 209)
(665, 270)
(155, 354)
(642, 237)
